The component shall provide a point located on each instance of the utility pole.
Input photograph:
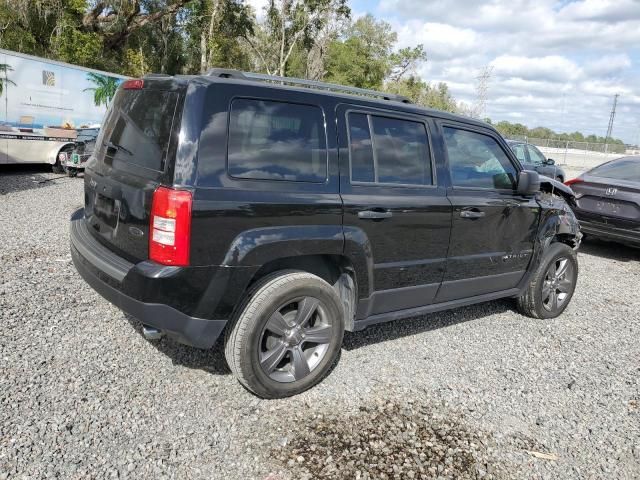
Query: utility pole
(482, 90)
(613, 115)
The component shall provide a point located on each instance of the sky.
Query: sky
(556, 64)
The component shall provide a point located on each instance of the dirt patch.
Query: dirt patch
(387, 440)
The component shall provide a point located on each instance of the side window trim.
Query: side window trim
(325, 181)
(373, 152)
(470, 128)
(397, 116)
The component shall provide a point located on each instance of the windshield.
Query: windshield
(621, 169)
(87, 134)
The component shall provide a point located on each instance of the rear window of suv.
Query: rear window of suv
(138, 127)
(389, 150)
(271, 140)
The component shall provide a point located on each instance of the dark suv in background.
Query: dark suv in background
(531, 158)
(285, 215)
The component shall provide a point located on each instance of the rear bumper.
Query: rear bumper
(610, 232)
(106, 272)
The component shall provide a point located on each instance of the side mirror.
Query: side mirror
(528, 183)
(550, 161)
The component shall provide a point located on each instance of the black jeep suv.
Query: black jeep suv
(284, 212)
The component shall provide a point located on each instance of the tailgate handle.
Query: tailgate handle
(375, 214)
(472, 214)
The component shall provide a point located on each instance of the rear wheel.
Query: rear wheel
(552, 285)
(286, 336)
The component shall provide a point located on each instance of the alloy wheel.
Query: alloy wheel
(558, 284)
(295, 339)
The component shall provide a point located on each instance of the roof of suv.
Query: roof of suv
(393, 103)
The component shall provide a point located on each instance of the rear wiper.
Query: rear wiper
(117, 147)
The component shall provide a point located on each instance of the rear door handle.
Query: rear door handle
(375, 214)
(472, 214)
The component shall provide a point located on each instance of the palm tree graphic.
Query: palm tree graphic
(4, 68)
(104, 90)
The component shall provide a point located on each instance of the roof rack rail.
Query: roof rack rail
(230, 73)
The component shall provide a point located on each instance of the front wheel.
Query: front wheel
(551, 287)
(286, 335)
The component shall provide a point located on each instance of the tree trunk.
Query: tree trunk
(212, 24)
(203, 51)
(284, 37)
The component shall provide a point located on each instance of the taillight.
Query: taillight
(133, 84)
(170, 226)
(568, 183)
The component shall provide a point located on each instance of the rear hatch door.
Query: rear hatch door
(132, 156)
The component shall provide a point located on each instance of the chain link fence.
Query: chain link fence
(578, 155)
(574, 145)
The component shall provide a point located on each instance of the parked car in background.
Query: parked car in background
(608, 200)
(74, 160)
(533, 159)
(284, 216)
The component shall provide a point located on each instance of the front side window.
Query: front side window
(536, 157)
(277, 141)
(396, 153)
(477, 161)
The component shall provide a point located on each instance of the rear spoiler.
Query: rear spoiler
(551, 185)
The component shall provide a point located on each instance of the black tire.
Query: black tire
(247, 335)
(537, 299)
(57, 167)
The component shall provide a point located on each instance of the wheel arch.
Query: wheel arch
(336, 270)
(52, 157)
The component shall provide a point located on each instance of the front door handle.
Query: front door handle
(472, 213)
(375, 214)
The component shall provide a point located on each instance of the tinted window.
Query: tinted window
(621, 169)
(360, 148)
(518, 149)
(277, 141)
(477, 160)
(401, 150)
(138, 128)
(536, 157)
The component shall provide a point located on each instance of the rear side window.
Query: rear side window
(276, 141)
(518, 149)
(478, 161)
(138, 128)
(396, 153)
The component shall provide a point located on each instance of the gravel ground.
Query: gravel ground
(479, 392)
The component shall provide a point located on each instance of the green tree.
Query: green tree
(288, 25)
(421, 93)
(4, 80)
(105, 88)
(363, 58)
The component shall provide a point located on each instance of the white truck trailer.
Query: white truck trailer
(43, 102)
